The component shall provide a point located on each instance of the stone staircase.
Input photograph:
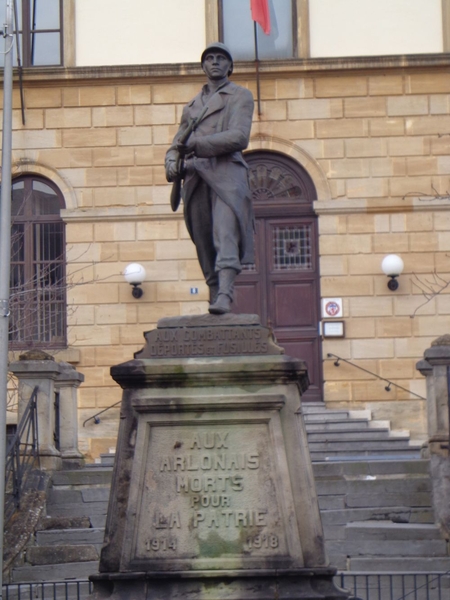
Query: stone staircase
(68, 542)
(374, 497)
(349, 435)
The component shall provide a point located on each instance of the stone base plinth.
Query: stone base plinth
(303, 584)
(213, 494)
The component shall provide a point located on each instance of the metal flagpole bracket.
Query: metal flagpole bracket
(4, 308)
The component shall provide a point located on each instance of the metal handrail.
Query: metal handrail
(388, 381)
(96, 416)
(21, 456)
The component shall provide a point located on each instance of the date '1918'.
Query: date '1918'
(160, 544)
(262, 541)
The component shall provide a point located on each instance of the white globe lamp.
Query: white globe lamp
(135, 274)
(392, 266)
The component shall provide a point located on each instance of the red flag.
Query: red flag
(261, 14)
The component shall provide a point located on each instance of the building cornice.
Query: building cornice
(120, 214)
(175, 71)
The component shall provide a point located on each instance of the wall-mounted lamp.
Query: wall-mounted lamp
(392, 266)
(134, 274)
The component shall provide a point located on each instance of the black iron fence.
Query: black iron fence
(365, 586)
(21, 456)
(76, 589)
(397, 586)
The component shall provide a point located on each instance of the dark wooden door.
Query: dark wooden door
(282, 287)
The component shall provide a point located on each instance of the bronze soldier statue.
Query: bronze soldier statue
(207, 154)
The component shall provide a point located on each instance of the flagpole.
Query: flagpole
(258, 90)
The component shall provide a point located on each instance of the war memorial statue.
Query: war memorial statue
(207, 154)
(213, 494)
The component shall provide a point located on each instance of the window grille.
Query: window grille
(38, 278)
(292, 247)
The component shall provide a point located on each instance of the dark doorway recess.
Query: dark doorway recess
(282, 287)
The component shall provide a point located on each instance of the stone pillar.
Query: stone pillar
(37, 368)
(436, 368)
(67, 385)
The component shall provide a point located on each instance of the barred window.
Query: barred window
(38, 274)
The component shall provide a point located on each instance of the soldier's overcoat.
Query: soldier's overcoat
(220, 137)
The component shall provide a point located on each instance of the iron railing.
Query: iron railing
(74, 589)
(57, 432)
(396, 586)
(96, 417)
(21, 456)
(365, 586)
(339, 359)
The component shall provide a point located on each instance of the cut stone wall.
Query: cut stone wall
(376, 143)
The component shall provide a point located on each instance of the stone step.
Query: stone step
(56, 555)
(382, 484)
(399, 514)
(382, 548)
(326, 414)
(79, 501)
(355, 445)
(381, 531)
(322, 416)
(337, 425)
(58, 523)
(368, 455)
(370, 469)
(78, 509)
(87, 476)
(423, 564)
(86, 495)
(61, 537)
(348, 501)
(75, 570)
(107, 459)
(365, 435)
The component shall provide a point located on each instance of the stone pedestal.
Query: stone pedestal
(436, 368)
(38, 369)
(213, 494)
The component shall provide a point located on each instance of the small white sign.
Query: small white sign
(332, 308)
(333, 329)
(194, 291)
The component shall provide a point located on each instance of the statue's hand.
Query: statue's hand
(188, 147)
(171, 171)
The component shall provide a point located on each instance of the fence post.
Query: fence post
(37, 368)
(436, 367)
(67, 384)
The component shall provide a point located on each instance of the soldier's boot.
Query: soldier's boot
(213, 291)
(224, 299)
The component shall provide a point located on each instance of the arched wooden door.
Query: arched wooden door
(282, 287)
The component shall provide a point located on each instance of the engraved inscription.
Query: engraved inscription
(209, 489)
(161, 544)
(207, 341)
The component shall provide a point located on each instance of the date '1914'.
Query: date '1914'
(163, 544)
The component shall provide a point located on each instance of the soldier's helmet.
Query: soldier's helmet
(222, 48)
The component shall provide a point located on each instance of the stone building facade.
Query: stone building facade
(373, 134)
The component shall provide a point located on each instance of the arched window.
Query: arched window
(38, 274)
